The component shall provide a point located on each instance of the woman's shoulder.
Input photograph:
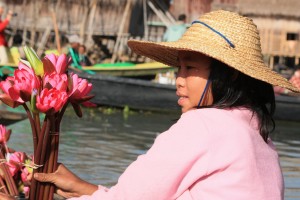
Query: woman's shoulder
(214, 114)
(216, 120)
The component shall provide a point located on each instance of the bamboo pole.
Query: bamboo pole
(282, 44)
(84, 19)
(91, 22)
(271, 47)
(160, 14)
(120, 32)
(146, 29)
(57, 36)
(34, 20)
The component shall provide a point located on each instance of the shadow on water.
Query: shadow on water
(100, 146)
(287, 141)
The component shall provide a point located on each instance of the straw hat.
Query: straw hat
(222, 35)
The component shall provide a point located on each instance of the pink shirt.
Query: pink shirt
(209, 154)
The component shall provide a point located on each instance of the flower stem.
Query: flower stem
(51, 157)
(3, 185)
(33, 128)
(61, 113)
(37, 123)
(39, 157)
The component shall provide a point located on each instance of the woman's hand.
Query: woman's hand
(9, 15)
(6, 196)
(68, 184)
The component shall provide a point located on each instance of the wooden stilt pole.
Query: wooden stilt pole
(91, 22)
(57, 36)
(146, 31)
(120, 32)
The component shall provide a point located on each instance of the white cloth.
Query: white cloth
(3, 55)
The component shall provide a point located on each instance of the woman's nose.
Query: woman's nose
(180, 80)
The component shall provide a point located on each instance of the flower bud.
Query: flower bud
(34, 61)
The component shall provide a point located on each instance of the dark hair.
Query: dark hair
(17, 39)
(182, 17)
(231, 88)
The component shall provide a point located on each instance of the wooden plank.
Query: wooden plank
(160, 15)
(121, 29)
(57, 37)
(93, 6)
(146, 29)
(43, 41)
(84, 19)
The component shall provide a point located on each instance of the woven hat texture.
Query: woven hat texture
(236, 44)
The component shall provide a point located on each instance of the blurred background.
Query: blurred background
(104, 26)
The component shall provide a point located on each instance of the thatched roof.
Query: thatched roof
(273, 8)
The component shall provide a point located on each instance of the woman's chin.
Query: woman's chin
(186, 109)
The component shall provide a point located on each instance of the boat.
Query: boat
(129, 69)
(7, 69)
(137, 94)
(9, 115)
(123, 69)
(151, 96)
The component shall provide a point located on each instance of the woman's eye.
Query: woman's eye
(190, 67)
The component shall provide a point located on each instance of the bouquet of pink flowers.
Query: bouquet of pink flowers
(43, 87)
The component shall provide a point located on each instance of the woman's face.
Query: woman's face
(191, 79)
(81, 50)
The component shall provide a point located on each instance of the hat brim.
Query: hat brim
(167, 53)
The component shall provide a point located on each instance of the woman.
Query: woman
(220, 147)
(3, 25)
(83, 58)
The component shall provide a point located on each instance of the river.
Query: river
(99, 146)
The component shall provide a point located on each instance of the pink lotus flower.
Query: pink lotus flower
(5, 98)
(26, 191)
(25, 175)
(56, 63)
(15, 161)
(4, 134)
(57, 81)
(51, 100)
(79, 89)
(19, 87)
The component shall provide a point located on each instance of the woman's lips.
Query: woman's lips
(181, 100)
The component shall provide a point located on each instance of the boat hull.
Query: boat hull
(134, 93)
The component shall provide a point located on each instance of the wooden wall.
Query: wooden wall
(192, 8)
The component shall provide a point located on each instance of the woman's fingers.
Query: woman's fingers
(66, 194)
(6, 197)
(42, 177)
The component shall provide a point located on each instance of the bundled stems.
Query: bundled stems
(11, 185)
(49, 156)
(46, 154)
(3, 187)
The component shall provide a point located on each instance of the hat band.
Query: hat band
(203, 93)
(214, 30)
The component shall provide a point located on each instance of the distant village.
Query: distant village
(105, 25)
